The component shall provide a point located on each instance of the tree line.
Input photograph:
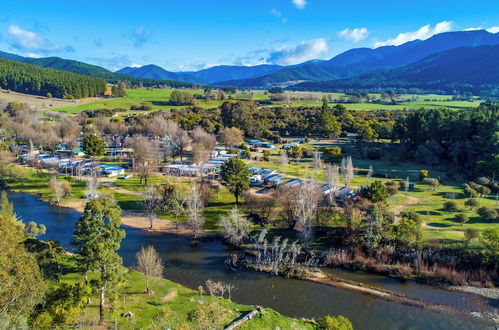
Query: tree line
(30, 79)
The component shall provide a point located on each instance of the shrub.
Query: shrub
(462, 218)
(376, 192)
(338, 322)
(333, 154)
(487, 213)
(471, 234)
(423, 174)
(433, 183)
(472, 203)
(451, 206)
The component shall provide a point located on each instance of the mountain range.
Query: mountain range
(470, 69)
(352, 63)
(86, 69)
(359, 67)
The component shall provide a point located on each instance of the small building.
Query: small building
(293, 183)
(267, 145)
(111, 171)
(266, 172)
(272, 180)
(254, 169)
(254, 142)
(327, 189)
(256, 180)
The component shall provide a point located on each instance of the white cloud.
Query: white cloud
(494, 29)
(139, 36)
(135, 65)
(473, 29)
(300, 4)
(34, 55)
(304, 51)
(29, 41)
(422, 33)
(276, 13)
(354, 35)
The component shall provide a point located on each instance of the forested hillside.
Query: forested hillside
(30, 79)
(152, 71)
(470, 69)
(92, 70)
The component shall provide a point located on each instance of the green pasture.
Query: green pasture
(160, 98)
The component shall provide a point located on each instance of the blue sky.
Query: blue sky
(189, 35)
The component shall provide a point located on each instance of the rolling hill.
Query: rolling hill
(31, 79)
(152, 71)
(234, 72)
(465, 69)
(78, 67)
(287, 76)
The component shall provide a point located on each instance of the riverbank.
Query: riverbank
(192, 265)
(140, 221)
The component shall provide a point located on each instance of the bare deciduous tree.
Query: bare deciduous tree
(92, 186)
(57, 188)
(317, 164)
(369, 175)
(231, 137)
(152, 202)
(202, 145)
(284, 160)
(144, 157)
(235, 227)
(182, 142)
(148, 262)
(347, 170)
(195, 210)
(306, 206)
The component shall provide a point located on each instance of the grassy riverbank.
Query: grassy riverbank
(172, 306)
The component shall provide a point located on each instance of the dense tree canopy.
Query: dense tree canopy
(21, 282)
(30, 79)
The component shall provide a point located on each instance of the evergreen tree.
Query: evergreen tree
(21, 281)
(93, 146)
(96, 238)
(235, 176)
(327, 122)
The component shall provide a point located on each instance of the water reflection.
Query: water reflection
(193, 265)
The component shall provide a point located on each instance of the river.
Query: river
(191, 266)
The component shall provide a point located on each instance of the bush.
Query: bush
(376, 192)
(423, 174)
(472, 203)
(487, 213)
(333, 154)
(431, 182)
(462, 218)
(451, 206)
(338, 322)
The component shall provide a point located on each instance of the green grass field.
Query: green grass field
(159, 98)
(170, 306)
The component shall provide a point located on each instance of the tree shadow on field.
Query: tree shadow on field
(438, 225)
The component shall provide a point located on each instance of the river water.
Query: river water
(191, 266)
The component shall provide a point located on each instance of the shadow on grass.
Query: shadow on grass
(429, 213)
(438, 225)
